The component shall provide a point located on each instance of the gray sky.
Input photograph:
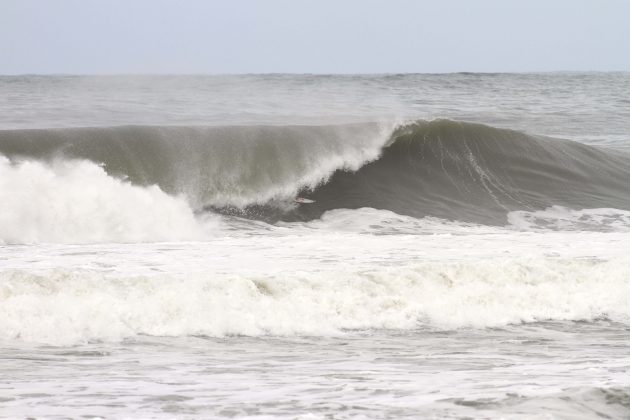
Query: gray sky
(312, 36)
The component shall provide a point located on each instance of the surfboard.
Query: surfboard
(302, 200)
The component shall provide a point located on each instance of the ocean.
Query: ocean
(466, 253)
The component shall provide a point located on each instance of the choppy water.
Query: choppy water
(155, 265)
(524, 372)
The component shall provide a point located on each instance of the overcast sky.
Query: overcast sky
(312, 36)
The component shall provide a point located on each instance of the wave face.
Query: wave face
(473, 172)
(453, 170)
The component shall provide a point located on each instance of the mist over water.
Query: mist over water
(451, 214)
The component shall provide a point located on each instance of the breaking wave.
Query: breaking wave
(82, 184)
(70, 306)
(476, 173)
(76, 201)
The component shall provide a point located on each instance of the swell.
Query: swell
(473, 172)
(442, 168)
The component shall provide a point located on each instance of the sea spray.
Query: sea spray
(74, 201)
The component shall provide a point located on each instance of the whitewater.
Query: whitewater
(461, 258)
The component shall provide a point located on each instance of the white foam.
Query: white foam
(75, 201)
(69, 306)
(565, 219)
(384, 222)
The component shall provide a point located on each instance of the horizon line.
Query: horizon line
(316, 73)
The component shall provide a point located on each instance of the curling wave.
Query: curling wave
(447, 169)
(476, 173)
